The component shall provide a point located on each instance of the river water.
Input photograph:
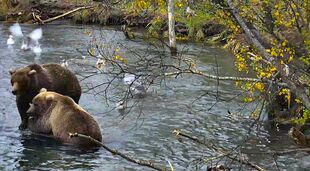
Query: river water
(145, 132)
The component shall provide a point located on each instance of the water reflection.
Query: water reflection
(45, 152)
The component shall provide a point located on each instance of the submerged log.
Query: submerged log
(299, 137)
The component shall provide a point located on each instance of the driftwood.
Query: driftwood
(219, 150)
(148, 164)
(290, 78)
(38, 19)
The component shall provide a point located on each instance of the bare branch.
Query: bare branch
(218, 150)
(115, 152)
(64, 14)
(196, 72)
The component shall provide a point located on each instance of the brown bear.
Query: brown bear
(59, 115)
(27, 82)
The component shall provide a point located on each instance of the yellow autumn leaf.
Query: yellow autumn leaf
(120, 58)
(92, 51)
(274, 53)
(298, 101)
(290, 58)
(260, 86)
(284, 91)
(273, 69)
(180, 5)
(248, 99)
(255, 1)
(288, 97)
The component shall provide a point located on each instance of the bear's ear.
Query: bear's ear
(49, 97)
(43, 90)
(12, 71)
(32, 72)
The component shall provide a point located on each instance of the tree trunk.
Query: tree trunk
(171, 24)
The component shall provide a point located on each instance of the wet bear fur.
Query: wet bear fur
(53, 113)
(27, 81)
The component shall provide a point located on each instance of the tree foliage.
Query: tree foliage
(282, 27)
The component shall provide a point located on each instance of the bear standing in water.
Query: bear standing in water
(26, 83)
(53, 113)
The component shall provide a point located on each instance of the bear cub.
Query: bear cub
(27, 81)
(53, 113)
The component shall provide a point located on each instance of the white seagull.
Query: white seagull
(10, 40)
(16, 30)
(129, 78)
(120, 106)
(136, 86)
(64, 63)
(31, 40)
(138, 89)
(100, 64)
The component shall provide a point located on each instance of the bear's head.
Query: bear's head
(22, 79)
(42, 103)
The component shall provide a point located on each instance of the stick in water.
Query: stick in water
(115, 152)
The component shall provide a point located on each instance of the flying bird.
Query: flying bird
(31, 41)
(16, 30)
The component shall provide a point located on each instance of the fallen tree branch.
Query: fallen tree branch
(218, 150)
(115, 152)
(63, 15)
(272, 152)
(223, 78)
(36, 17)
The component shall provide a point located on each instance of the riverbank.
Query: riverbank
(90, 12)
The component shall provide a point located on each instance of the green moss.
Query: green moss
(82, 17)
(3, 9)
(98, 15)
(101, 15)
(200, 35)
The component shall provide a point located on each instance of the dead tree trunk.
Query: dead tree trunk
(171, 24)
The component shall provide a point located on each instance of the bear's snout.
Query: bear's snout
(15, 88)
(14, 92)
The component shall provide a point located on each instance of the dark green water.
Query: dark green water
(146, 135)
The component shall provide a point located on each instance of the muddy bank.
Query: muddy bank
(38, 11)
